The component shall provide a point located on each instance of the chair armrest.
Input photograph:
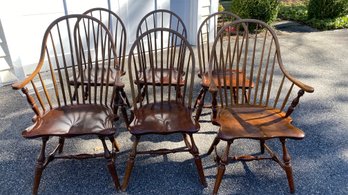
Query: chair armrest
(21, 84)
(298, 83)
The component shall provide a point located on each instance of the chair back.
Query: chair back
(206, 34)
(163, 55)
(117, 29)
(161, 18)
(251, 48)
(69, 43)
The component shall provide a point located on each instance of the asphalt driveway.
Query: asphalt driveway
(320, 161)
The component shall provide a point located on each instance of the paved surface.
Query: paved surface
(320, 161)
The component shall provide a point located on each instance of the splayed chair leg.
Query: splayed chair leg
(130, 164)
(61, 144)
(287, 166)
(194, 151)
(187, 143)
(111, 164)
(114, 143)
(262, 146)
(40, 166)
(199, 97)
(213, 145)
(200, 102)
(124, 97)
(121, 101)
(222, 162)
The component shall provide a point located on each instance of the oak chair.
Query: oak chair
(70, 43)
(168, 93)
(253, 51)
(206, 34)
(118, 31)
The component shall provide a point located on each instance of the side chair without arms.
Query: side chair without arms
(69, 43)
(160, 18)
(118, 31)
(265, 114)
(166, 107)
(206, 34)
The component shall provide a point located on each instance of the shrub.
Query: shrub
(293, 11)
(265, 10)
(221, 8)
(328, 24)
(326, 9)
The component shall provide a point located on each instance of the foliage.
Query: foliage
(221, 8)
(265, 10)
(298, 12)
(324, 9)
(293, 11)
(328, 24)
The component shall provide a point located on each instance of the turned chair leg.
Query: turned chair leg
(111, 163)
(40, 166)
(114, 143)
(222, 162)
(75, 92)
(213, 145)
(199, 97)
(287, 166)
(116, 101)
(130, 164)
(214, 107)
(61, 144)
(123, 101)
(194, 151)
(187, 143)
(119, 102)
(124, 97)
(85, 96)
(262, 146)
(200, 102)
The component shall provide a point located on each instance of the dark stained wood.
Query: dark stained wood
(252, 51)
(205, 37)
(161, 18)
(147, 119)
(97, 71)
(51, 90)
(168, 93)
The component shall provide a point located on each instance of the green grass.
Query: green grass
(298, 12)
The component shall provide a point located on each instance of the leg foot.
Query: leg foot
(287, 167)
(40, 166)
(222, 162)
(130, 164)
(198, 162)
(111, 165)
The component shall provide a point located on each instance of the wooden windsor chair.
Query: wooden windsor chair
(168, 93)
(160, 18)
(119, 35)
(70, 44)
(253, 51)
(206, 34)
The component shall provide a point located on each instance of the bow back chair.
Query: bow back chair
(70, 43)
(253, 51)
(206, 34)
(166, 108)
(161, 18)
(118, 31)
